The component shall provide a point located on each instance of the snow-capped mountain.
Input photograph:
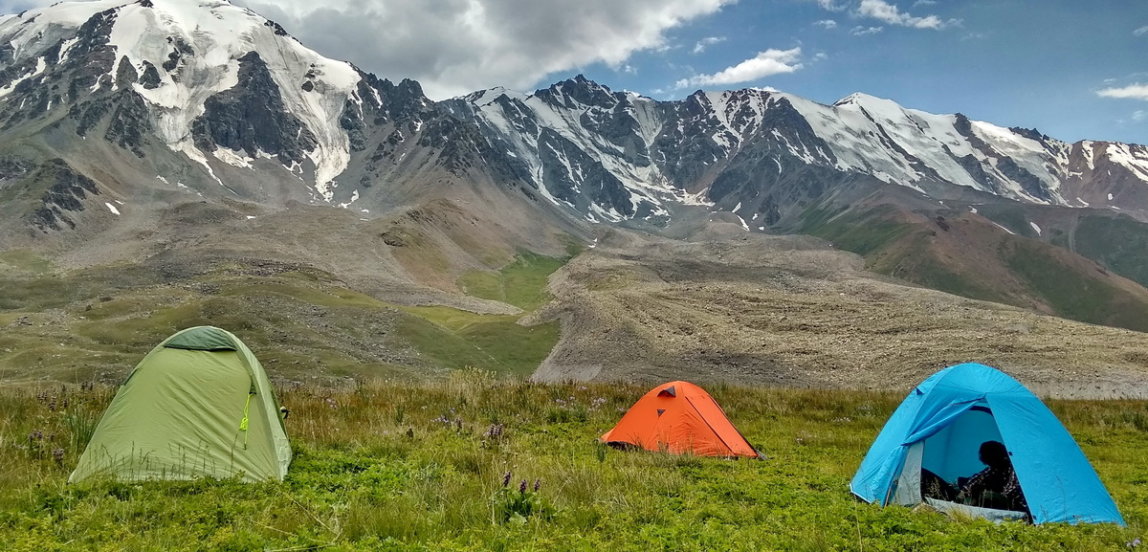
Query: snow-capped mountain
(617, 156)
(212, 82)
(204, 98)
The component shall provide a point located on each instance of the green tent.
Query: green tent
(198, 405)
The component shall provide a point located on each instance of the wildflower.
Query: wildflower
(506, 479)
(36, 436)
(58, 456)
(494, 432)
(522, 486)
(537, 484)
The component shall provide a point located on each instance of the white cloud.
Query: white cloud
(769, 62)
(920, 3)
(1133, 91)
(1141, 31)
(888, 13)
(1140, 115)
(826, 24)
(861, 30)
(457, 46)
(832, 5)
(707, 42)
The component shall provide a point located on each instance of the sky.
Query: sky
(1072, 69)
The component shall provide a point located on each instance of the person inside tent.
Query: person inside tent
(994, 487)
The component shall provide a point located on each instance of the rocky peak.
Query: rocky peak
(252, 118)
(577, 91)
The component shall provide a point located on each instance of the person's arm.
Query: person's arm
(975, 485)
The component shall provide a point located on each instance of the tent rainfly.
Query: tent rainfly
(198, 405)
(680, 418)
(941, 425)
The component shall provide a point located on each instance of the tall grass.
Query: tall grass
(422, 466)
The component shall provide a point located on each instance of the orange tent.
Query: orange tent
(681, 418)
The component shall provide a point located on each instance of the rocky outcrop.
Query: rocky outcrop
(66, 190)
(252, 118)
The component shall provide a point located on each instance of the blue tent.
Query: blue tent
(940, 426)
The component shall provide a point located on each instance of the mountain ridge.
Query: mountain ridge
(616, 145)
(179, 135)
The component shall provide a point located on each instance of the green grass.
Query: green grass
(861, 234)
(1010, 216)
(303, 322)
(24, 261)
(1070, 293)
(521, 283)
(412, 467)
(1119, 243)
(458, 339)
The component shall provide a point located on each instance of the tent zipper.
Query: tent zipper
(244, 422)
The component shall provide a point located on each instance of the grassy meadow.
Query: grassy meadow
(305, 322)
(421, 466)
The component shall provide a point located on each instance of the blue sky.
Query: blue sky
(1011, 62)
(1072, 69)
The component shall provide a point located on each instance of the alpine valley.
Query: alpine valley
(167, 163)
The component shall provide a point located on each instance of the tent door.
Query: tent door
(908, 485)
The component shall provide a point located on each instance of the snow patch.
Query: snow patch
(354, 198)
(1036, 228)
(233, 158)
(1003, 228)
(40, 66)
(1133, 158)
(113, 209)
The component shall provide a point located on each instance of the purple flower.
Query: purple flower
(506, 479)
(522, 486)
(537, 484)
